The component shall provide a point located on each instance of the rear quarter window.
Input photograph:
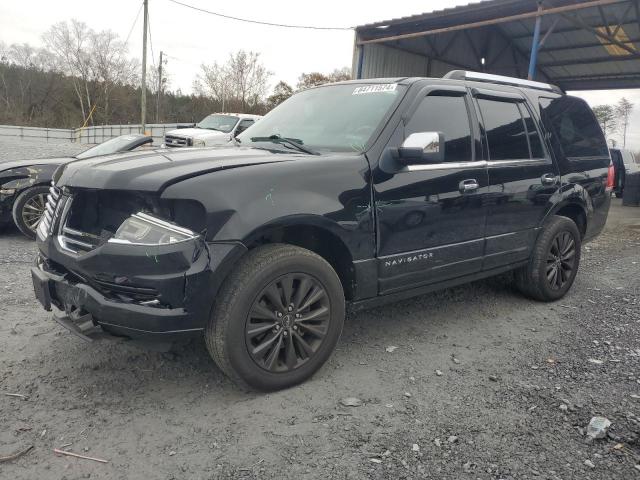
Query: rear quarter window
(575, 127)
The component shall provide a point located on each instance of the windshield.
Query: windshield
(335, 118)
(223, 123)
(118, 144)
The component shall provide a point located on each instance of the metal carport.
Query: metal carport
(577, 45)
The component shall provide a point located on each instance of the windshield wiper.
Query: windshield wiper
(292, 142)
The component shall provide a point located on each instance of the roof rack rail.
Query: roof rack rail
(500, 79)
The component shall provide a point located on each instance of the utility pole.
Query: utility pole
(159, 89)
(143, 100)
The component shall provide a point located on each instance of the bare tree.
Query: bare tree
(281, 92)
(314, 79)
(242, 80)
(214, 82)
(340, 74)
(623, 110)
(248, 76)
(606, 115)
(70, 43)
(110, 66)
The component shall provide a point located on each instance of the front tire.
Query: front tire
(29, 208)
(277, 318)
(554, 262)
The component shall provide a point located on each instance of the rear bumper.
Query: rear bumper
(181, 302)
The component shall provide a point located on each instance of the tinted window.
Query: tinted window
(574, 125)
(244, 124)
(505, 131)
(447, 115)
(532, 132)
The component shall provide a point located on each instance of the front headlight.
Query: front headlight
(144, 229)
(199, 143)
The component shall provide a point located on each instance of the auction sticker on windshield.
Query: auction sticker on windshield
(383, 87)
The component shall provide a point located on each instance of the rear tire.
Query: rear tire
(554, 262)
(277, 318)
(29, 208)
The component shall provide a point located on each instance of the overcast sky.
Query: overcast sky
(190, 38)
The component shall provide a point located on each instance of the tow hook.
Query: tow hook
(80, 325)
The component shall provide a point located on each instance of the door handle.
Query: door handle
(470, 185)
(549, 179)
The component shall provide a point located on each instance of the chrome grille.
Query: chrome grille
(73, 240)
(175, 141)
(76, 241)
(49, 217)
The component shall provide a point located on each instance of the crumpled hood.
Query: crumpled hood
(155, 170)
(11, 164)
(201, 133)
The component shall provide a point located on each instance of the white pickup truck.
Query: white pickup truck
(215, 129)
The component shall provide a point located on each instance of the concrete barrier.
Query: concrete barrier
(91, 135)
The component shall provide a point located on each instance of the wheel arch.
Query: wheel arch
(574, 209)
(316, 234)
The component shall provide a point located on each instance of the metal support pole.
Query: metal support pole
(143, 98)
(533, 61)
(360, 62)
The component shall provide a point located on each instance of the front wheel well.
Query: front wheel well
(318, 240)
(575, 213)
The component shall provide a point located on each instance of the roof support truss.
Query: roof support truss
(496, 21)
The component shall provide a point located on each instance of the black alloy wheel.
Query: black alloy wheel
(276, 318)
(554, 261)
(561, 260)
(287, 322)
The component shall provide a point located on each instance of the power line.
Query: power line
(153, 55)
(258, 22)
(134, 24)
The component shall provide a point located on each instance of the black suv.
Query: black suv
(355, 193)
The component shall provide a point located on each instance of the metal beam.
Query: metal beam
(589, 61)
(627, 23)
(496, 21)
(535, 46)
(586, 45)
(476, 54)
(605, 22)
(580, 22)
(515, 50)
(597, 83)
(550, 31)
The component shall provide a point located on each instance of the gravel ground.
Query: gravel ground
(483, 384)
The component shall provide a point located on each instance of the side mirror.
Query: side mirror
(422, 147)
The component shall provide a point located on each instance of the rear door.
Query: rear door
(522, 177)
(430, 226)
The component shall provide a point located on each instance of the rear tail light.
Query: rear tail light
(610, 177)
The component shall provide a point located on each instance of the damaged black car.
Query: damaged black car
(352, 194)
(24, 184)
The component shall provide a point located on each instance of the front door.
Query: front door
(431, 217)
(522, 178)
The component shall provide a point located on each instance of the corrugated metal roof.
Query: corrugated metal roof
(573, 56)
(472, 7)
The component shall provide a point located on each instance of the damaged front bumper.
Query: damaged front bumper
(133, 291)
